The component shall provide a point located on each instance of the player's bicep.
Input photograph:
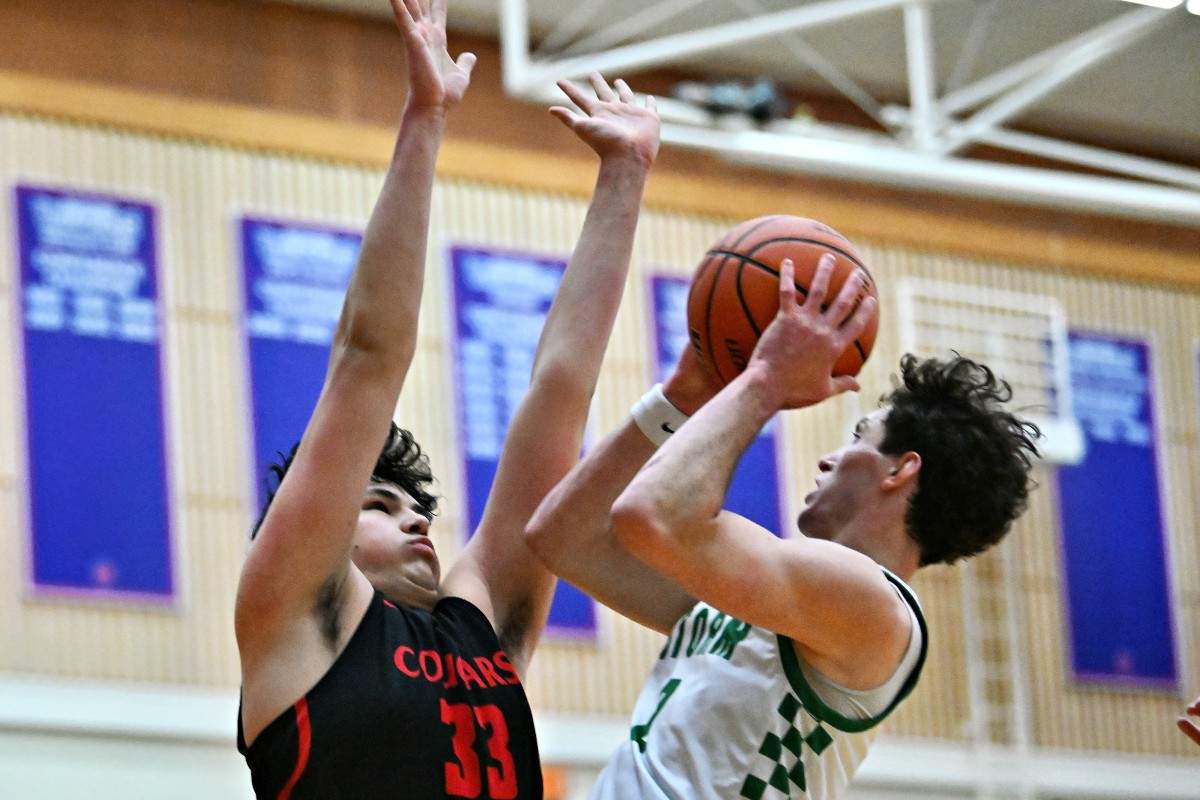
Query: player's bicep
(305, 538)
(808, 590)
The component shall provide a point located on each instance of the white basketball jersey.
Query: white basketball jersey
(727, 713)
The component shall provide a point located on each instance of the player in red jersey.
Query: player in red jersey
(365, 674)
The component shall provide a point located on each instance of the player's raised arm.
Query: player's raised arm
(671, 514)
(496, 570)
(300, 561)
(572, 531)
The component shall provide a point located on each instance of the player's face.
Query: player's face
(848, 481)
(392, 545)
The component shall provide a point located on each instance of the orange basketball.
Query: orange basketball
(735, 292)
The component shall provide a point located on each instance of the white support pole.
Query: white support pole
(1069, 152)
(979, 719)
(918, 41)
(571, 24)
(984, 89)
(1104, 44)
(673, 48)
(972, 46)
(894, 166)
(1020, 718)
(647, 19)
(514, 44)
(814, 60)
(836, 78)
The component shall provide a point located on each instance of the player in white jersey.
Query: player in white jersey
(782, 653)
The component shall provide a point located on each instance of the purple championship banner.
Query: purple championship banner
(500, 304)
(1119, 615)
(754, 492)
(294, 282)
(98, 480)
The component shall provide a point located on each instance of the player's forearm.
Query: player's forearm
(572, 526)
(383, 299)
(686, 480)
(572, 530)
(547, 431)
(581, 319)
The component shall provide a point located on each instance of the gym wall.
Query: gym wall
(204, 160)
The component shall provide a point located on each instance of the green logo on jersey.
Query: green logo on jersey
(701, 634)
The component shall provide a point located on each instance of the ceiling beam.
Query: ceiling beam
(924, 159)
(668, 49)
(895, 166)
(1088, 51)
(570, 24)
(1072, 153)
(924, 119)
(649, 18)
(818, 63)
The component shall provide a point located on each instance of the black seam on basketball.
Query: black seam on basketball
(747, 260)
(712, 291)
(747, 234)
(742, 300)
(817, 242)
(707, 265)
(725, 256)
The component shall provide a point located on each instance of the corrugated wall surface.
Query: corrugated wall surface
(200, 189)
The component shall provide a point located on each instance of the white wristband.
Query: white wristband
(656, 417)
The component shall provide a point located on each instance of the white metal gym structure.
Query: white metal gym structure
(924, 138)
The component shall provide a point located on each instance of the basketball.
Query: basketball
(734, 293)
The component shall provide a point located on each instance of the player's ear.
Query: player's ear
(904, 470)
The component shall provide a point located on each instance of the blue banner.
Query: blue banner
(1118, 598)
(99, 491)
(294, 279)
(500, 305)
(754, 491)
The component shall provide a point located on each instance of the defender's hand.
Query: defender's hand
(612, 122)
(435, 79)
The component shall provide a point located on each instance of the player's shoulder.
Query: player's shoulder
(906, 592)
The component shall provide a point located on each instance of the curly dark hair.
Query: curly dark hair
(401, 463)
(975, 455)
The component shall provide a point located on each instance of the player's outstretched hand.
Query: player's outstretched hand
(612, 122)
(799, 347)
(436, 80)
(1187, 725)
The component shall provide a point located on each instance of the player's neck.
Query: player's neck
(890, 546)
(407, 594)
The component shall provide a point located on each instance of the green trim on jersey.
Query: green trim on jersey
(817, 707)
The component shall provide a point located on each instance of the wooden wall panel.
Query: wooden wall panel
(262, 56)
(201, 187)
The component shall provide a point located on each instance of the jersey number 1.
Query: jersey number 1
(638, 732)
(464, 777)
